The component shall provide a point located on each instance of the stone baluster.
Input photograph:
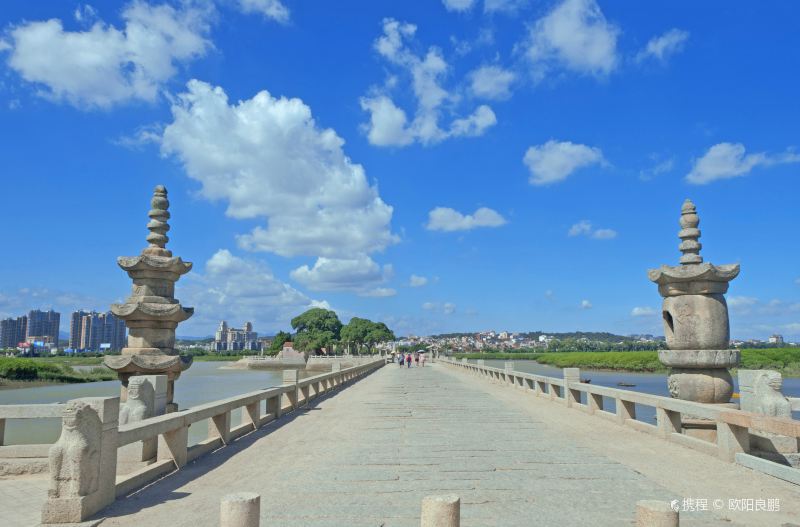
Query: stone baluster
(83, 462)
(290, 378)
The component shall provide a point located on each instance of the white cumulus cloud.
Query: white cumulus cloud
(660, 168)
(446, 308)
(379, 292)
(728, 160)
(643, 311)
(267, 158)
(361, 275)
(585, 228)
(447, 219)
(574, 35)
(105, 65)
(237, 290)
(507, 6)
(417, 281)
(741, 303)
(269, 8)
(458, 5)
(585, 304)
(389, 124)
(17, 302)
(555, 161)
(491, 82)
(663, 46)
(489, 6)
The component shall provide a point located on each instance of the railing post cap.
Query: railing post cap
(238, 497)
(448, 499)
(656, 513)
(654, 505)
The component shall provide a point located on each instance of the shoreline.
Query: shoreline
(10, 384)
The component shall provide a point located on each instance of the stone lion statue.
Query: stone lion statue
(768, 397)
(140, 403)
(75, 457)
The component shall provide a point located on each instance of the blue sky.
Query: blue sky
(443, 166)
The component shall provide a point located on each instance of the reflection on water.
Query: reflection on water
(654, 383)
(202, 383)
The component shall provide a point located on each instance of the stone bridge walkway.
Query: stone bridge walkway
(367, 455)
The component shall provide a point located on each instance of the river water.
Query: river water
(654, 383)
(202, 383)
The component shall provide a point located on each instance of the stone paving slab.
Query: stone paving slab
(367, 455)
(21, 500)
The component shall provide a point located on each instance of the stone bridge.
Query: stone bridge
(518, 449)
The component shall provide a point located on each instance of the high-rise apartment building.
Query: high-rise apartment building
(13, 331)
(75, 325)
(92, 331)
(43, 326)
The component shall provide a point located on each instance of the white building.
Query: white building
(776, 339)
(236, 339)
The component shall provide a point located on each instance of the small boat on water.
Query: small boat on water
(586, 381)
(625, 384)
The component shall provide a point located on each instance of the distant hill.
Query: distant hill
(601, 336)
(195, 339)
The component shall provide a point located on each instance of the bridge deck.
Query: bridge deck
(368, 454)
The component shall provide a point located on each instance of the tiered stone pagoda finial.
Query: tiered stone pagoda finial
(689, 234)
(151, 312)
(696, 322)
(158, 226)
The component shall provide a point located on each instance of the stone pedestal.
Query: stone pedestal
(152, 313)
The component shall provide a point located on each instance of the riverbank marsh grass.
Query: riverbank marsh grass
(605, 360)
(217, 358)
(72, 360)
(38, 370)
(785, 360)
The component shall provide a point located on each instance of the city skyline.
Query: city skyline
(454, 166)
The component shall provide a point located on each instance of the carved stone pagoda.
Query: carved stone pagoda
(696, 319)
(151, 312)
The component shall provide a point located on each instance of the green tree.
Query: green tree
(364, 332)
(315, 329)
(277, 343)
(355, 332)
(379, 333)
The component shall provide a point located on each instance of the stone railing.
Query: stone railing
(733, 426)
(25, 459)
(89, 479)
